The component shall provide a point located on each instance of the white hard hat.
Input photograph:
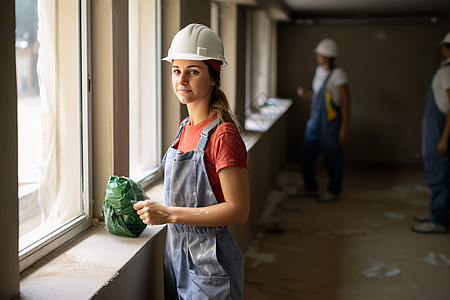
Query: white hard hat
(196, 42)
(446, 39)
(327, 48)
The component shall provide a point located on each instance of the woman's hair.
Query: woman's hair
(219, 104)
(332, 62)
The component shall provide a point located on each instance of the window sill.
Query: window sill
(89, 263)
(256, 123)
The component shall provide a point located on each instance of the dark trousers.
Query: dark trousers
(333, 159)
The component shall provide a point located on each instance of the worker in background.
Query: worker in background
(326, 130)
(435, 147)
(205, 177)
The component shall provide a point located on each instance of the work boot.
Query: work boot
(327, 197)
(429, 227)
(422, 218)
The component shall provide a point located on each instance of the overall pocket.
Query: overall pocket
(208, 278)
(210, 287)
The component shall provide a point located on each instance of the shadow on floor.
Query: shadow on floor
(358, 248)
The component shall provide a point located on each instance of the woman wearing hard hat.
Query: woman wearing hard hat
(326, 130)
(435, 146)
(205, 177)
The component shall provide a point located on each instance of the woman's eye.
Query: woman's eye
(191, 72)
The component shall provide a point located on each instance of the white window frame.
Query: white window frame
(68, 231)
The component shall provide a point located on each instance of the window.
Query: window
(51, 56)
(144, 83)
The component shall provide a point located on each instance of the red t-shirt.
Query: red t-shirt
(225, 148)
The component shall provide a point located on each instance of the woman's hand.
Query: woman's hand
(304, 93)
(152, 212)
(442, 146)
(342, 136)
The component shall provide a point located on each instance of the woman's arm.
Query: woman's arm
(235, 208)
(304, 93)
(345, 94)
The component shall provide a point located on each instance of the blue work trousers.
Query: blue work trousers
(333, 159)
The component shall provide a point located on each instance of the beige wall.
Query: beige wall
(232, 32)
(102, 90)
(388, 66)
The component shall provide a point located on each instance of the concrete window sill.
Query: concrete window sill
(89, 263)
(267, 115)
(256, 123)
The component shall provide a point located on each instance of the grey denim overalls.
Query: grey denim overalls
(199, 262)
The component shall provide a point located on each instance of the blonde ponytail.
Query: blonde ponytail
(219, 104)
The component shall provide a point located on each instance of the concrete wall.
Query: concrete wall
(389, 67)
(142, 277)
(265, 161)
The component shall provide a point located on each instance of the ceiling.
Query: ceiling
(366, 7)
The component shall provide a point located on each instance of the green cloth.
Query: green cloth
(118, 212)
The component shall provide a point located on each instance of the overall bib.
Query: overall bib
(199, 262)
(437, 167)
(322, 136)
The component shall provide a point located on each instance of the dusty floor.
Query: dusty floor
(358, 248)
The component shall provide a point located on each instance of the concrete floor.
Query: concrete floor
(358, 248)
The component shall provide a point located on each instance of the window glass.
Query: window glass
(49, 118)
(144, 88)
(29, 114)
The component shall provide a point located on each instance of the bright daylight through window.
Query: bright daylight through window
(50, 112)
(143, 86)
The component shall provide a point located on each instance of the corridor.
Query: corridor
(358, 248)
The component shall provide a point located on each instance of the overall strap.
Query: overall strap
(181, 129)
(328, 77)
(204, 135)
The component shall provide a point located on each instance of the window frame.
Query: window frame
(31, 254)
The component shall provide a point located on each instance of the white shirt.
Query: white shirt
(440, 85)
(338, 78)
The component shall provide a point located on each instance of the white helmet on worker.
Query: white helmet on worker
(196, 42)
(446, 39)
(327, 48)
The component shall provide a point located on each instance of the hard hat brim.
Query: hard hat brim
(327, 55)
(446, 39)
(190, 56)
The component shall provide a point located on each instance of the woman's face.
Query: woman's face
(322, 60)
(191, 81)
(445, 52)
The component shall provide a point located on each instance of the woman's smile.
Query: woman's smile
(183, 90)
